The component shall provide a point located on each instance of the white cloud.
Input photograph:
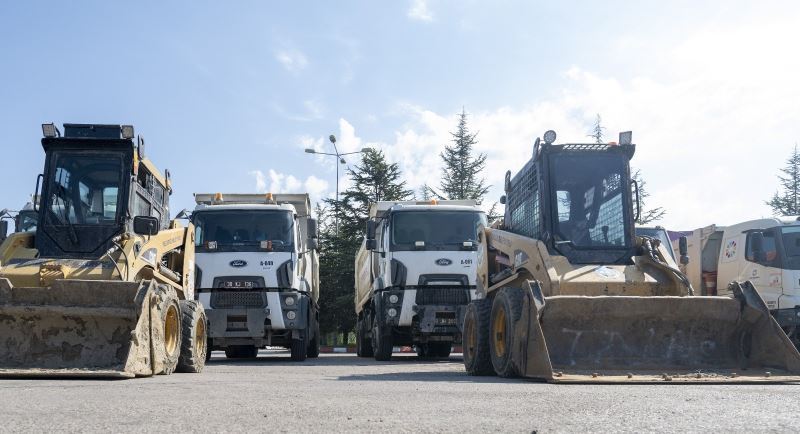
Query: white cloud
(282, 183)
(291, 59)
(419, 11)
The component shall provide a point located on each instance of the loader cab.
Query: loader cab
(577, 199)
(94, 183)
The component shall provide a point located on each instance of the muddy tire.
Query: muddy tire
(171, 320)
(194, 348)
(313, 344)
(506, 310)
(381, 342)
(477, 360)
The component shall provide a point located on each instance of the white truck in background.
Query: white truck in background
(257, 272)
(765, 251)
(415, 275)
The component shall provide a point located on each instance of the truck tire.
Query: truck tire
(171, 321)
(299, 348)
(241, 352)
(506, 310)
(363, 343)
(477, 360)
(194, 348)
(208, 349)
(313, 346)
(381, 341)
(423, 351)
(440, 349)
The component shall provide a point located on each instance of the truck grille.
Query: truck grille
(442, 296)
(234, 299)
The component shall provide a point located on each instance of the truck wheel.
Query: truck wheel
(194, 349)
(171, 320)
(241, 352)
(363, 343)
(313, 346)
(506, 310)
(423, 351)
(208, 349)
(299, 348)
(381, 342)
(440, 349)
(477, 360)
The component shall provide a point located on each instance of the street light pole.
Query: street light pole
(339, 160)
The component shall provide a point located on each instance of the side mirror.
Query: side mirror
(312, 228)
(757, 241)
(3, 230)
(371, 244)
(503, 199)
(145, 225)
(683, 250)
(371, 229)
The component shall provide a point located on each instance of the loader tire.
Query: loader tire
(313, 345)
(477, 360)
(194, 349)
(381, 342)
(363, 343)
(506, 310)
(171, 320)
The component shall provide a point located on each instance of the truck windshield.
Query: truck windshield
(589, 196)
(439, 230)
(790, 238)
(244, 230)
(84, 189)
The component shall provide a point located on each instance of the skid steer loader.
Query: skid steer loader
(105, 284)
(568, 293)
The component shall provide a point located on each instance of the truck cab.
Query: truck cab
(416, 273)
(764, 251)
(258, 272)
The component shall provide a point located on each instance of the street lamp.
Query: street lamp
(339, 156)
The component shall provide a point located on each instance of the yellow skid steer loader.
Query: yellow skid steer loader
(105, 285)
(568, 293)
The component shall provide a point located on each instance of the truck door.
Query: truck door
(763, 272)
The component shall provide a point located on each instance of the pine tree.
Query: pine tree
(787, 201)
(461, 173)
(647, 215)
(597, 130)
(373, 180)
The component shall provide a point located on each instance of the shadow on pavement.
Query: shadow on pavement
(430, 376)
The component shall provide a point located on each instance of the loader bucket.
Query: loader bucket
(79, 328)
(652, 339)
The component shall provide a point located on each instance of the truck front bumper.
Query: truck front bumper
(255, 321)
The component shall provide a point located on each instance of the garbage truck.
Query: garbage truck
(566, 292)
(258, 272)
(764, 251)
(414, 276)
(104, 286)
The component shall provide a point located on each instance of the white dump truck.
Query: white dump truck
(257, 272)
(765, 251)
(415, 275)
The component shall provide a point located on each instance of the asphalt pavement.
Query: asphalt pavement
(340, 392)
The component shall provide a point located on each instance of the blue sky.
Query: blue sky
(227, 94)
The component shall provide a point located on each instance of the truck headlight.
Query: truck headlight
(291, 314)
(392, 312)
(394, 298)
(289, 301)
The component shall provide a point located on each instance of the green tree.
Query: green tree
(647, 215)
(373, 180)
(461, 172)
(786, 201)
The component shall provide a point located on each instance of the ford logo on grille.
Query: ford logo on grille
(443, 262)
(238, 263)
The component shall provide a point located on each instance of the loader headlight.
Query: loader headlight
(289, 301)
(394, 298)
(549, 136)
(392, 312)
(291, 314)
(127, 131)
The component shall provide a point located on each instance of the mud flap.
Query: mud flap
(81, 328)
(652, 339)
